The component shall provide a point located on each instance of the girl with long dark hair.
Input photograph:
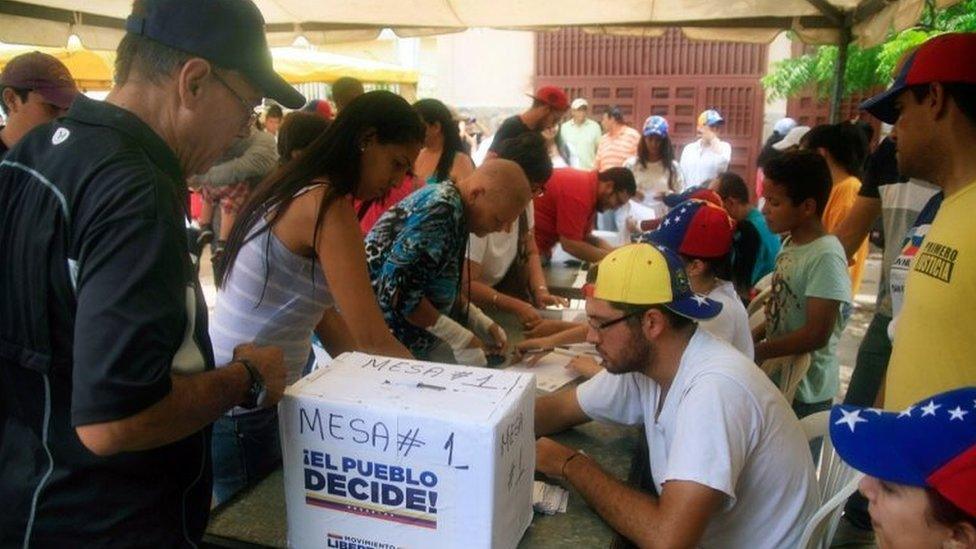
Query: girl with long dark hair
(295, 255)
(655, 170)
(443, 157)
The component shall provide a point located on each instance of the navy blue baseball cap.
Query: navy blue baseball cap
(929, 444)
(229, 33)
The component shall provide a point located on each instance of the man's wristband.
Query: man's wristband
(575, 455)
(256, 389)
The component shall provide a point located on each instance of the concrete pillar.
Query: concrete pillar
(779, 49)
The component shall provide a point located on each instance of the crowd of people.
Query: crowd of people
(126, 410)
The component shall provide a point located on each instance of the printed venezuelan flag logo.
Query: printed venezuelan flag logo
(402, 516)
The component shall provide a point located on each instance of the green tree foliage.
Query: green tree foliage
(870, 67)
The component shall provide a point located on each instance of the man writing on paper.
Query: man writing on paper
(565, 213)
(729, 460)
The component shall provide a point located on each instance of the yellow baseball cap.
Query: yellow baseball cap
(644, 274)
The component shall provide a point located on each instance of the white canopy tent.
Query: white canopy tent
(99, 23)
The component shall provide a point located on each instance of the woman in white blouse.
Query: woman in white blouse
(655, 170)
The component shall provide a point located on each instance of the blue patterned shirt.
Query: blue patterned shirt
(414, 251)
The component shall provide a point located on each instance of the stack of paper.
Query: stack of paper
(549, 499)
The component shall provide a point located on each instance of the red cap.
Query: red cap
(708, 195)
(553, 96)
(947, 58)
(320, 107)
(956, 480)
(42, 73)
(695, 228)
(324, 108)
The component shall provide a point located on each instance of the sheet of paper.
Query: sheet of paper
(580, 279)
(575, 312)
(641, 212)
(582, 349)
(549, 499)
(550, 371)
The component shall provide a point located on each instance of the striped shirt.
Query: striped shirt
(282, 312)
(614, 150)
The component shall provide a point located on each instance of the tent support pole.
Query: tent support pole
(840, 70)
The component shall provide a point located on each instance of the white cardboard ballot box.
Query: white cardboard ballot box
(388, 453)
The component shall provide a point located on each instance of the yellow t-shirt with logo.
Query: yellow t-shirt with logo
(934, 339)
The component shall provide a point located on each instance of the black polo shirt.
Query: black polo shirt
(99, 304)
(513, 126)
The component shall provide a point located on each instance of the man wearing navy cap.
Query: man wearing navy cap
(107, 380)
(932, 105)
(35, 88)
(728, 458)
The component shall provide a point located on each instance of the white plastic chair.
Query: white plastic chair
(792, 369)
(765, 282)
(759, 301)
(836, 479)
(757, 319)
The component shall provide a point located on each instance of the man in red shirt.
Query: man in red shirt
(565, 212)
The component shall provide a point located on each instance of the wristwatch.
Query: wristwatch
(256, 391)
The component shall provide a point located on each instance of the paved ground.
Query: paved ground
(858, 323)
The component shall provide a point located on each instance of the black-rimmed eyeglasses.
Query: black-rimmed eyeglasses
(600, 326)
(252, 115)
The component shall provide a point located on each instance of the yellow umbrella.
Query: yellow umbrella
(91, 69)
(299, 65)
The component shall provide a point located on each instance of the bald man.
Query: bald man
(416, 249)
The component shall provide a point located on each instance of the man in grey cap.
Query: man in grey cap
(35, 88)
(582, 134)
(107, 379)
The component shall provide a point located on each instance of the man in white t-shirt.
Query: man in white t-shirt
(729, 459)
(704, 159)
(504, 267)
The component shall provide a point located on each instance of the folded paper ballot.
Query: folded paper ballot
(549, 499)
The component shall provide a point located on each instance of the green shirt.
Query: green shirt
(582, 140)
(816, 269)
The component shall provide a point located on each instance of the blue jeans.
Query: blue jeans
(872, 363)
(246, 448)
